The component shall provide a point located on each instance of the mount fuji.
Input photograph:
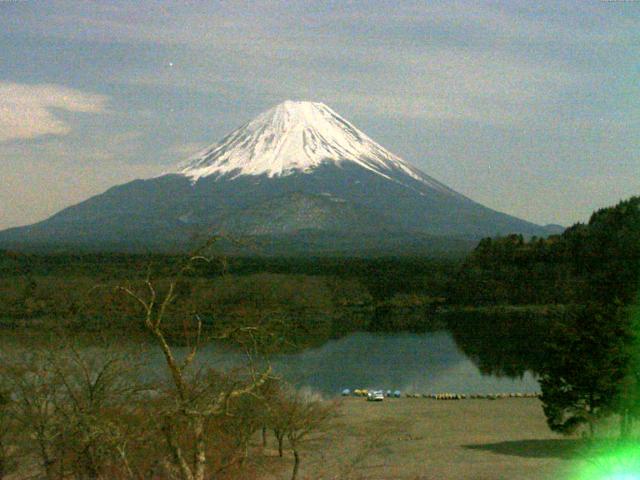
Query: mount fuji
(297, 178)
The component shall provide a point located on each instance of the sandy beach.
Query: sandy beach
(429, 439)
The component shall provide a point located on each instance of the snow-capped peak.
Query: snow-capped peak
(296, 136)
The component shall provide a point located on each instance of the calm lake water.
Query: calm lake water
(410, 362)
(418, 363)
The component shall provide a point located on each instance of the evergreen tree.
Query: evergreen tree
(629, 401)
(584, 376)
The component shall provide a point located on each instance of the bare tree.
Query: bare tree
(296, 415)
(71, 409)
(83, 412)
(278, 422)
(195, 399)
(34, 390)
(97, 391)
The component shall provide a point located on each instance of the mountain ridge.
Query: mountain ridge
(297, 170)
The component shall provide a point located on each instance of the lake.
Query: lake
(410, 362)
(429, 362)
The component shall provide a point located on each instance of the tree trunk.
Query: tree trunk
(264, 436)
(280, 438)
(245, 452)
(47, 463)
(48, 469)
(89, 468)
(296, 464)
(176, 452)
(200, 454)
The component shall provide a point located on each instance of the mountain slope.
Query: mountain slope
(297, 169)
(298, 136)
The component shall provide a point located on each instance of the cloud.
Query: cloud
(26, 110)
(493, 64)
(451, 62)
(57, 174)
(517, 104)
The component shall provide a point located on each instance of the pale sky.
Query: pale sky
(531, 108)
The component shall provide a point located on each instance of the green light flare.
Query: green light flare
(611, 459)
(618, 463)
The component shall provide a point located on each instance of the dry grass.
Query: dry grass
(428, 439)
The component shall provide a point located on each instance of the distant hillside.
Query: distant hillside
(598, 261)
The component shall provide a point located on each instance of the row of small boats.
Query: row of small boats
(363, 392)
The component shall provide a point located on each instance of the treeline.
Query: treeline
(594, 262)
(589, 353)
(307, 310)
(597, 260)
(309, 300)
(383, 277)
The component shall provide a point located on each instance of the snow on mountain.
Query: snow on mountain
(297, 178)
(298, 136)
